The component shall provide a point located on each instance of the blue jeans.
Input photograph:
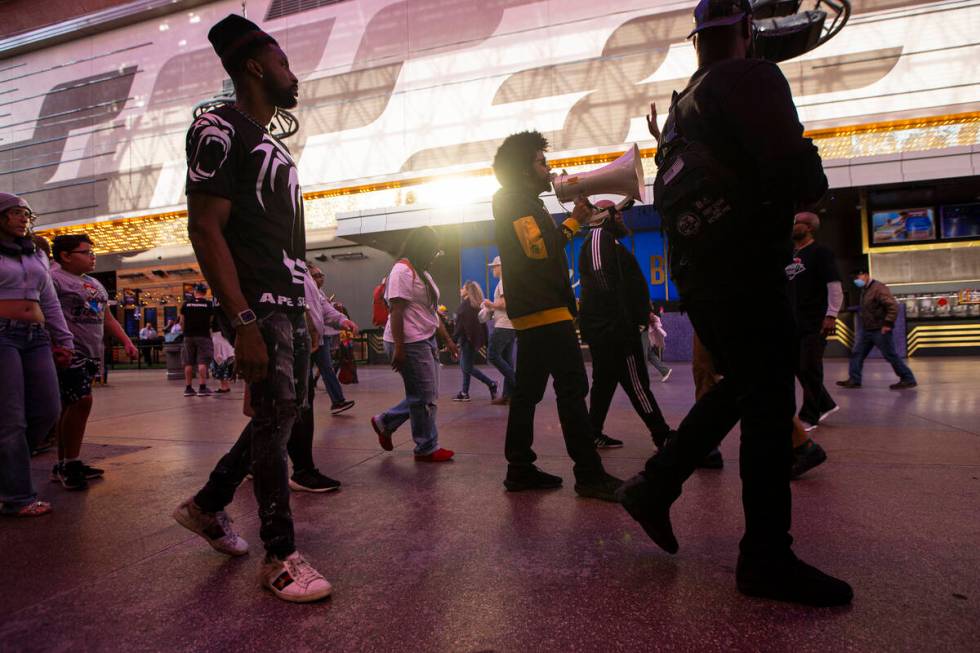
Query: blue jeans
(500, 354)
(421, 377)
(886, 345)
(467, 354)
(324, 363)
(28, 372)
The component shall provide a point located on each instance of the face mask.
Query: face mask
(859, 283)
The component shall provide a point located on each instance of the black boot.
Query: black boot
(650, 509)
(790, 580)
(530, 478)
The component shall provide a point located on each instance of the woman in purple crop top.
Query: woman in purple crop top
(30, 319)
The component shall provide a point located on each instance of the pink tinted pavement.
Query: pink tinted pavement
(428, 557)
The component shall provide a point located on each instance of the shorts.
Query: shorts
(225, 371)
(75, 381)
(197, 350)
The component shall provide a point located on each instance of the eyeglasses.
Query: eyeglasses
(21, 212)
(87, 252)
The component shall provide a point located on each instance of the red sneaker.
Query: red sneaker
(384, 437)
(437, 456)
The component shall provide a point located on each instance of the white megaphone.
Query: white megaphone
(624, 176)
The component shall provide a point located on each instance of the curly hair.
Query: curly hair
(515, 156)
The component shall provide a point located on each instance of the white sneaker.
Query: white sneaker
(294, 579)
(667, 375)
(828, 414)
(215, 527)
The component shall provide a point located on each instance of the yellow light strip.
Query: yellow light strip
(121, 235)
(925, 283)
(942, 327)
(895, 125)
(965, 333)
(912, 350)
(919, 248)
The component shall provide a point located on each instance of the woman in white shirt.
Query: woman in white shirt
(410, 341)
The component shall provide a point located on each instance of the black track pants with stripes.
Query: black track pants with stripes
(621, 362)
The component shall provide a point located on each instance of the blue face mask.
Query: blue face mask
(859, 283)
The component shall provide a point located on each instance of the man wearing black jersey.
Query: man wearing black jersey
(245, 220)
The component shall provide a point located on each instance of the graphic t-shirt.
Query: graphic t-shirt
(230, 156)
(83, 301)
(421, 320)
(197, 318)
(811, 269)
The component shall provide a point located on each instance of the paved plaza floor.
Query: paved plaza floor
(438, 557)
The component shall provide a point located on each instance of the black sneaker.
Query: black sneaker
(603, 441)
(792, 581)
(72, 476)
(462, 396)
(806, 457)
(204, 391)
(531, 479)
(713, 460)
(55, 472)
(902, 385)
(311, 480)
(493, 392)
(340, 406)
(637, 497)
(189, 392)
(603, 487)
(848, 384)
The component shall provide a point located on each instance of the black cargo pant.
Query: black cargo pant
(552, 351)
(756, 359)
(809, 372)
(261, 448)
(619, 361)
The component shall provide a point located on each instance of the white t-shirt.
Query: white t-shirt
(421, 320)
(500, 319)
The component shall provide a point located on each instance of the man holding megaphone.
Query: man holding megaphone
(541, 305)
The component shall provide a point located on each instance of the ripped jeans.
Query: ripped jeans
(421, 377)
(261, 447)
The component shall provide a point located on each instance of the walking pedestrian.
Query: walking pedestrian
(877, 312)
(245, 221)
(500, 352)
(541, 306)
(471, 336)
(410, 342)
(732, 210)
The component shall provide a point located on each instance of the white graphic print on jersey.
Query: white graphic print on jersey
(275, 156)
(212, 137)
